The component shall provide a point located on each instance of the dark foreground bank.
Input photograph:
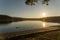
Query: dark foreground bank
(48, 33)
(55, 35)
(52, 35)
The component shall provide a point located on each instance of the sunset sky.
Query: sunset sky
(18, 8)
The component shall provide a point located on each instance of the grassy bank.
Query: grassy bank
(52, 35)
(55, 35)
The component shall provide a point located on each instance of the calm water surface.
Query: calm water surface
(24, 25)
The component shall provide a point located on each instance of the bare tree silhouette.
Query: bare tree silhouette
(32, 2)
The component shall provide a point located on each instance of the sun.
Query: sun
(43, 14)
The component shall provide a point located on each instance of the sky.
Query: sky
(17, 8)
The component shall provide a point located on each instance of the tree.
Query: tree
(32, 2)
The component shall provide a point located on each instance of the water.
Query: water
(24, 25)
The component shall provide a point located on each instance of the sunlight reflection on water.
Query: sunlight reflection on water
(26, 25)
(44, 25)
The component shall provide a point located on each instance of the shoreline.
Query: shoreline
(29, 32)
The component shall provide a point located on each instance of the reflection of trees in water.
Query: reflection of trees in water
(56, 26)
(5, 23)
(53, 19)
(4, 19)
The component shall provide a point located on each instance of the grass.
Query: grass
(55, 35)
